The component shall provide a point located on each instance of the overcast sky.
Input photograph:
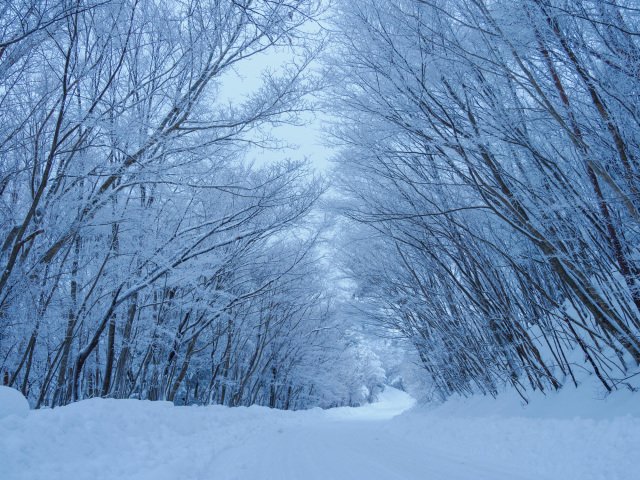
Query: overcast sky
(306, 141)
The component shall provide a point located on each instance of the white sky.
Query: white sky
(305, 141)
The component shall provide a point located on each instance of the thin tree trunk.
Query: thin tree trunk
(183, 370)
(125, 350)
(84, 354)
(32, 346)
(110, 355)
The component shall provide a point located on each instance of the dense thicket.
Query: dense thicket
(491, 158)
(140, 256)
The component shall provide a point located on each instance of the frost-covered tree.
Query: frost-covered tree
(141, 256)
(490, 150)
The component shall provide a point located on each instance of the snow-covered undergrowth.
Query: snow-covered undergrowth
(570, 435)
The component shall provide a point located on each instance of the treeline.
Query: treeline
(491, 160)
(141, 258)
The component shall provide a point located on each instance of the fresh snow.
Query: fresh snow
(12, 403)
(571, 435)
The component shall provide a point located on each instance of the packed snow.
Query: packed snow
(571, 435)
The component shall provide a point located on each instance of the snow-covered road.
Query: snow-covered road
(140, 440)
(354, 444)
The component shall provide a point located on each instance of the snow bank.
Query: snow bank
(572, 434)
(102, 438)
(12, 402)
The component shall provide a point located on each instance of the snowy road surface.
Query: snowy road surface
(353, 445)
(476, 439)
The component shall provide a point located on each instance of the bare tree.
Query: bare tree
(484, 147)
(133, 232)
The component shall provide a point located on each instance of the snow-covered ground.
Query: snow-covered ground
(565, 436)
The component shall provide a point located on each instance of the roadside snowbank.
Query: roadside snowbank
(102, 438)
(132, 439)
(572, 434)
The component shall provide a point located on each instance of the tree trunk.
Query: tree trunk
(84, 354)
(110, 355)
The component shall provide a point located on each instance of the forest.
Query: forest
(482, 211)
